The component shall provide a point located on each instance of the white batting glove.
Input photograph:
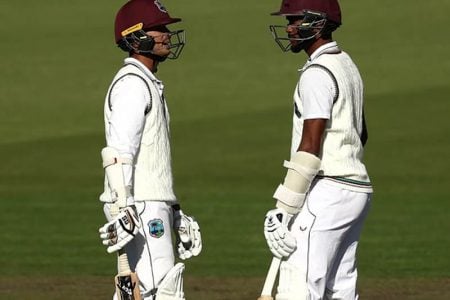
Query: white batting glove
(280, 240)
(187, 230)
(122, 229)
(110, 207)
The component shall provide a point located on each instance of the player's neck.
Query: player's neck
(150, 63)
(314, 46)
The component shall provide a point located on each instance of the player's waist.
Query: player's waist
(348, 183)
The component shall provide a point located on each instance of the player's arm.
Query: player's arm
(317, 91)
(128, 103)
(129, 100)
(312, 134)
(317, 96)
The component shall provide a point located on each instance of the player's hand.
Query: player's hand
(120, 230)
(280, 240)
(111, 209)
(189, 239)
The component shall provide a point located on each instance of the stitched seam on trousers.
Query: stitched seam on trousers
(309, 243)
(148, 247)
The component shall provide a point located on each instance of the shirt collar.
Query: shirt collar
(142, 67)
(327, 48)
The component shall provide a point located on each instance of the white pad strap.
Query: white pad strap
(171, 287)
(306, 172)
(116, 160)
(289, 200)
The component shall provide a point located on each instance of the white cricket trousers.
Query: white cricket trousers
(150, 253)
(327, 232)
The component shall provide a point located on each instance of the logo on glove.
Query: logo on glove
(156, 228)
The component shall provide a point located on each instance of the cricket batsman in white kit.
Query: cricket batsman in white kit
(324, 199)
(139, 201)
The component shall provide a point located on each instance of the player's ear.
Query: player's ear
(147, 44)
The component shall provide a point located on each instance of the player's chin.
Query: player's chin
(165, 51)
(162, 53)
(296, 48)
(162, 49)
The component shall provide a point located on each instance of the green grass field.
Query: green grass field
(230, 96)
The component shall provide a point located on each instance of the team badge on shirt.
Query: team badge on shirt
(156, 228)
(160, 6)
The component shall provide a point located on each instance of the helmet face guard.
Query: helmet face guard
(140, 42)
(177, 40)
(312, 25)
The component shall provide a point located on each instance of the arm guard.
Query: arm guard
(302, 168)
(112, 163)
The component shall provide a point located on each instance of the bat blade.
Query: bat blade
(269, 283)
(127, 287)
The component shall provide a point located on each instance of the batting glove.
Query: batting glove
(187, 230)
(121, 230)
(280, 240)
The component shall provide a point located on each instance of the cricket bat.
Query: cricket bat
(266, 293)
(271, 276)
(126, 282)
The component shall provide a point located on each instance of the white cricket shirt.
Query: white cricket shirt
(330, 87)
(137, 125)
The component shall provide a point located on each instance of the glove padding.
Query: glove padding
(280, 240)
(189, 239)
(120, 230)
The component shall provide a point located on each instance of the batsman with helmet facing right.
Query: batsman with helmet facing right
(143, 214)
(323, 202)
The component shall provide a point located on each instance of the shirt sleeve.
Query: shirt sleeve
(317, 91)
(128, 103)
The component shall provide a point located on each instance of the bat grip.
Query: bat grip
(123, 267)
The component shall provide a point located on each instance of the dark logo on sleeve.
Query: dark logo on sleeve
(296, 111)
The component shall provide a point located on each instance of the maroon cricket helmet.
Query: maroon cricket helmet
(144, 14)
(296, 7)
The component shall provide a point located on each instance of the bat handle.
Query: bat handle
(266, 293)
(270, 279)
(123, 266)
